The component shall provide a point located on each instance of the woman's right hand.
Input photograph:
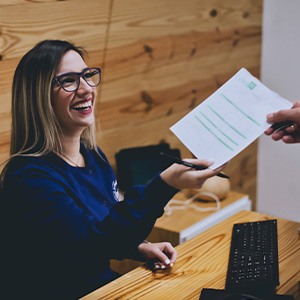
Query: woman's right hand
(181, 177)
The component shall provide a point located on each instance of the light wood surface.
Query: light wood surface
(202, 263)
(160, 59)
(180, 220)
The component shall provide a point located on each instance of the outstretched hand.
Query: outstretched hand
(181, 177)
(163, 255)
(286, 125)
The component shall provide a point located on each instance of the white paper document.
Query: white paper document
(230, 119)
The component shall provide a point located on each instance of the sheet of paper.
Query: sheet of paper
(230, 119)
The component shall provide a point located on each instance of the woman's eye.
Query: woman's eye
(88, 75)
(68, 80)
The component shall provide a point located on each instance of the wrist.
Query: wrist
(145, 242)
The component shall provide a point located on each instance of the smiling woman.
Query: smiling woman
(73, 98)
(68, 221)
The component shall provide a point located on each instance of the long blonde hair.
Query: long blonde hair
(35, 130)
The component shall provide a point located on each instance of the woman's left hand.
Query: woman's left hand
(182, 177)
(162, 254)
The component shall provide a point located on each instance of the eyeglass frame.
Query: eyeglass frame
(78, 74)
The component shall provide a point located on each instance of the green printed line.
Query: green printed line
(221, 131)
(214, 134)
(247, 116)
(233, 128)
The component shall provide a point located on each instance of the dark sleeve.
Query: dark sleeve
(138, 212)
(50, 209)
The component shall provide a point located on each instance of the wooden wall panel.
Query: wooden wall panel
(165, 57)
(160, 59)
(25, 23)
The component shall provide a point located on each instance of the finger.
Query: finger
(173, 258)
(162, 258)
(199, 162)
(296, 104)
(278, 135)
(166, 254)
(170, 251)
(205, 170)
(269, 131)
(289, 139)
(292, 128)
(283, 116)
(219, 169)
(159, 266)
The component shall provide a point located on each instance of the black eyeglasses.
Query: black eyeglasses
(70, 81)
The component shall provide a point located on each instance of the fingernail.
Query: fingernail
(167, 261)
(156, 266)
(163, 267)
(171, 265)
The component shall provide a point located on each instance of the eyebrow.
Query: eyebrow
(72, 72)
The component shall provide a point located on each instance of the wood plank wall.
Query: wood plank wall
(160, 59)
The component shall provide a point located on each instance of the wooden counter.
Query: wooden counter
(202, 263)
(181, 225)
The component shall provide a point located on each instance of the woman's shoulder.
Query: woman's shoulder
(25, 164)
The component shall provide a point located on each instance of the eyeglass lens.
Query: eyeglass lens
(70, 82)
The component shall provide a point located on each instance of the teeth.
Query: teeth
(83, 105)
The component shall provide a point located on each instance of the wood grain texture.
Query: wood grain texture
(160, 59)
(25, 23)
(202, 263)
(165, 57)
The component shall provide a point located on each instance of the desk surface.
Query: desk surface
(202, 263)
(176, 222)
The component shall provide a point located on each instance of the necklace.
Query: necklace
(76, 164)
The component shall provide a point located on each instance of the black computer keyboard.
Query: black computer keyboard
(253, 259)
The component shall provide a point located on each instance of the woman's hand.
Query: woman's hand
(162, 254)
(289, 134)
(181, 177)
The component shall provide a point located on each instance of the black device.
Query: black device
(215, 294)
(253, 271)
(282, 125)
(253, 260)
(137, 165)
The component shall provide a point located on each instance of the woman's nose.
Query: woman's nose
(84, 86)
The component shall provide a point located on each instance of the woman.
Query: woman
(63, 220)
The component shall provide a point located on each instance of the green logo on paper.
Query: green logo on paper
(251, 85)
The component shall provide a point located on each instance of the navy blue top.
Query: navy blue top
(61, 224)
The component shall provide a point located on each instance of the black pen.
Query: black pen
(177, 160)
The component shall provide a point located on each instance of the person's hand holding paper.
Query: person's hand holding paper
(230, 119)
(286, 125)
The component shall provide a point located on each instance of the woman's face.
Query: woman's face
(74, 110)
